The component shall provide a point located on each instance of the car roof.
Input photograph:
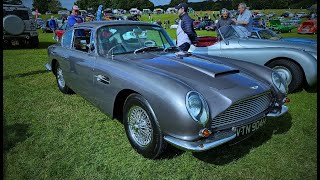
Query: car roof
(97, 24)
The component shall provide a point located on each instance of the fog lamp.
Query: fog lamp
(205, 132)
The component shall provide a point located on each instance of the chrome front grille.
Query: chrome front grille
(242, 110)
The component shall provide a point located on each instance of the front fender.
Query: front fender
(165, 94)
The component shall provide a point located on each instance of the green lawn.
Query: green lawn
(49, 135)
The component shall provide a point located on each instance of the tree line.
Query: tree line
(233, 4)
(55, 5)
(115, 4)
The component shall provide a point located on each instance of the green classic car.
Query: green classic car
(277, 26)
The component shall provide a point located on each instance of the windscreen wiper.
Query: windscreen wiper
(146, 49)
(170, 48)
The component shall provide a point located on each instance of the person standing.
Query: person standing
(74, 18)
(99, 12)
(53, 24)
(185, 31)
(244, 19)
(225, 19)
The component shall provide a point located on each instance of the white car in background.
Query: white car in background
(64, 12)
(301, 14)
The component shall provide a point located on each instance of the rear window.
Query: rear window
(24, 15)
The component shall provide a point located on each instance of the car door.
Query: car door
(81, 61)
(104, 84)
(105, 72)
(230, 48)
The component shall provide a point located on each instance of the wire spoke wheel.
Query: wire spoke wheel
(140, 127)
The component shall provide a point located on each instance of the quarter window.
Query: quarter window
(66, 39)
(82, 39)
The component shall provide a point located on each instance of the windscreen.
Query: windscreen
(122, 39)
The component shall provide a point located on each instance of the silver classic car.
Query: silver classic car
(295, 62)
(133, 72)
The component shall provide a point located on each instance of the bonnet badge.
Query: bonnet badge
(254, 87)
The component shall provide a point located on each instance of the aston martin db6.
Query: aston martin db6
(194, 102)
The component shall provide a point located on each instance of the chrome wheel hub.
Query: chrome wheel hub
(60, 77)
(284, 73)
(140, 127)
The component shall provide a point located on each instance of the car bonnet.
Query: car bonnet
(201, 74)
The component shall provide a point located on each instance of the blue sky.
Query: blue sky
(69, 3)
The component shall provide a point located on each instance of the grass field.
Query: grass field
(49, 135)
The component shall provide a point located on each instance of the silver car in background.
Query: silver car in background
(295, 62)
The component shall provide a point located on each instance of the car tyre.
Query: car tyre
(142, 129)
(60, 80)
(291, 71)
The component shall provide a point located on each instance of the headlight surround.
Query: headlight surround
(197, 107)
(279, 82)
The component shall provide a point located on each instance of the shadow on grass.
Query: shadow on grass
(14, 134)
(312, 89)
(233, 151)
(42, 45)
(45, 45)
(170, 152)
(25, 74)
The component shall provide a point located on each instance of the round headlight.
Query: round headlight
(197, 107)
(279, 82)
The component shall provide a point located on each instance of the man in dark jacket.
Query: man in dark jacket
(185, 31)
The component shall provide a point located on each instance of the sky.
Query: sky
(69, 3)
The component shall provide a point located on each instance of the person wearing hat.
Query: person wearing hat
(53, 24)
(185, 31)
(74, 18)
(225, 19)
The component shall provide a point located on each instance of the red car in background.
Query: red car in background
(59, 32)
(308, 27)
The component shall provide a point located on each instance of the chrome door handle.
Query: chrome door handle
(102, 79)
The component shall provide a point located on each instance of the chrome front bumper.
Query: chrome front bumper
(215, 139)
(283, 110)
(202, 145)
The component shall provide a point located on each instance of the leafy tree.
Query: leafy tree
(42, 5)
(115, 4)
(176, 2)
(54, 6)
